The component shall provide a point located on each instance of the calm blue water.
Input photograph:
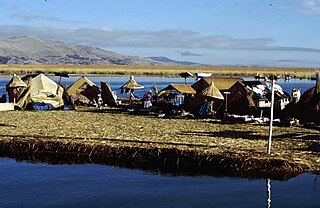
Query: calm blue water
(41, 185)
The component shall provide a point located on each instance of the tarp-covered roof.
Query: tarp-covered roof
(42, 89)
(182, 88)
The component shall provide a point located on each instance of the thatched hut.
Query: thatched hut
(174, 95)
(217, 85)
(307, 109)
(254, 98)
(83, 92)
(14, 88)
(240, 101)
(41, 89)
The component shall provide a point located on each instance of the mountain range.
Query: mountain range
(30, 50)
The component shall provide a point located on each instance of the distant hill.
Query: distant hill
(167, 61)
(29, 50)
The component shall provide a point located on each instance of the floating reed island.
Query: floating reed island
(179, 146)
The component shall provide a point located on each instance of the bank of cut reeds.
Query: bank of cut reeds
(156, 70)
(163, 158)
(165, 145)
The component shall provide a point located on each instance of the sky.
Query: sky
(276, 33)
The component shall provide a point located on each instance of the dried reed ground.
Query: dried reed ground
(200, 135)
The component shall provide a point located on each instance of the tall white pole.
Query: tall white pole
(271, 116)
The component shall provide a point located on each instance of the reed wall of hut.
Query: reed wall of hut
(193, 103)
(107, 95)
(239, 101)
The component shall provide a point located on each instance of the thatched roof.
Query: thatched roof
(78, 84)
(15, 82)
(222, 83)
(213, 92)
(131, 84)
(83, 92)
(182, 88)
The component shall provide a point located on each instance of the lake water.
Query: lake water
(25, 184)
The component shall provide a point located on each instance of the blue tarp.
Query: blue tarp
(42, 106)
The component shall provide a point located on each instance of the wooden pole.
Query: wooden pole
(271, 116)
(226, 103)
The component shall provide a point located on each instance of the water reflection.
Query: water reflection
(268, 188)
(42, 185)
(167, 163)
(315, 182)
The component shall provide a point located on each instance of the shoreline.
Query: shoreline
(165, 145)
(302, 73)
(174, 160)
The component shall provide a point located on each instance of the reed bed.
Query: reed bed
(156, 70)
(206, 146)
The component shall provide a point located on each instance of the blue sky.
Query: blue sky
(282, 33)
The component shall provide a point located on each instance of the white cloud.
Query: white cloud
(311, 6)
(171, 38)
(17, 14)
(309, 3)
(188, 53)
(303, 6)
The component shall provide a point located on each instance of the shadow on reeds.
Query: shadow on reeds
(7, 125)
(227, 134)
(251, 135)
(299, 136)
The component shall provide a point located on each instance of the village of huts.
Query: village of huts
(225, 98)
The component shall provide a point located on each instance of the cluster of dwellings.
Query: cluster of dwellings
(39, 92)
(209, 96)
